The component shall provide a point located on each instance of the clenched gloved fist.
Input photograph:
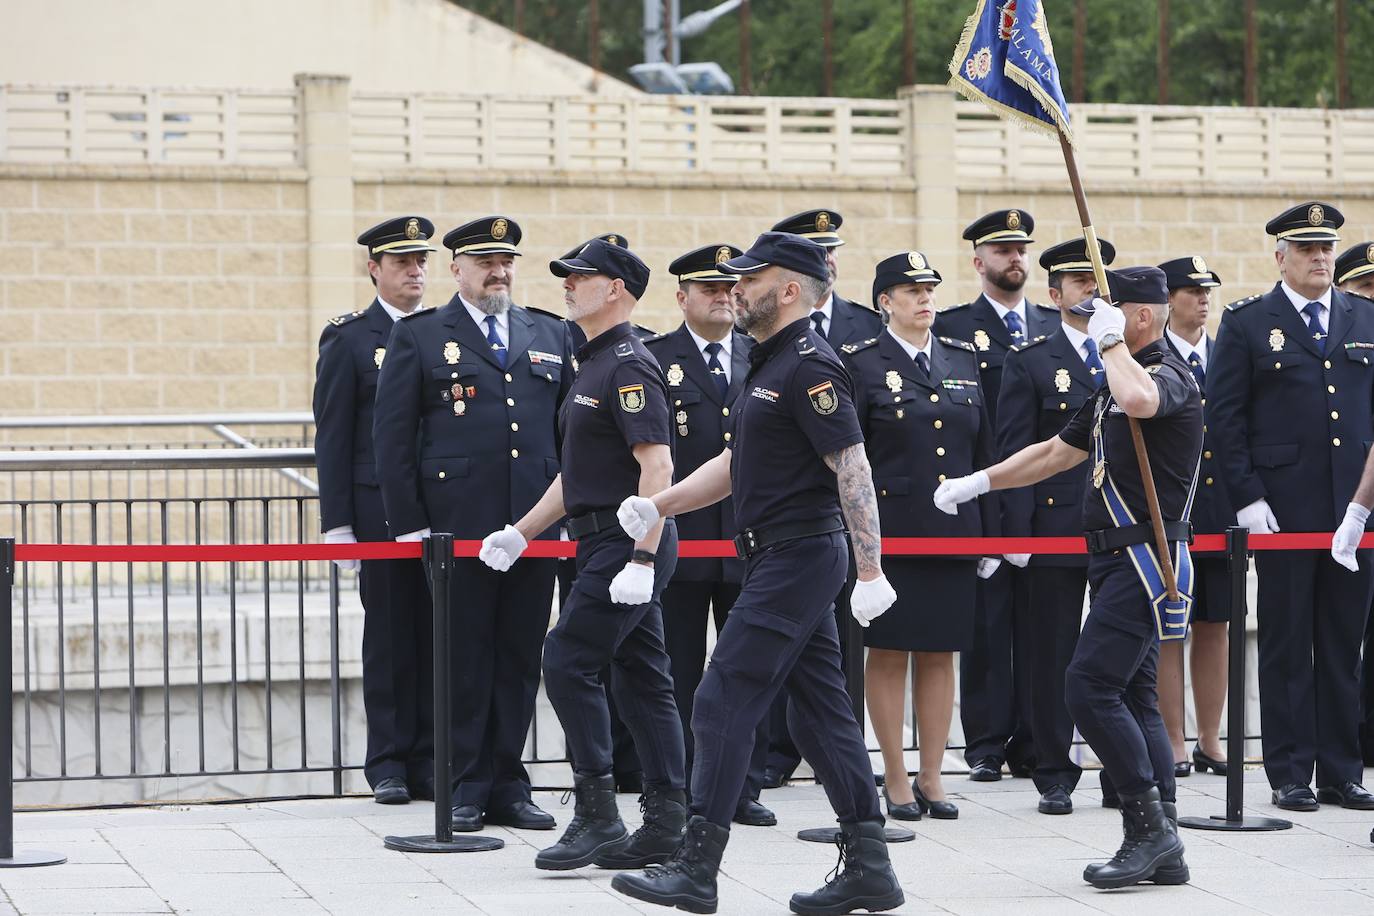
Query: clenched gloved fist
(633, 585)
(413, 536)
(1106, 319)
(987, 566)
(1019, 560)
(1347, 538)
(342, 535)
(1258, 517)
(637, 515)
(958, 490)
(870, 599)
(501, 549)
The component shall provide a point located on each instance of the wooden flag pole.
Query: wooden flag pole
(1142, 458)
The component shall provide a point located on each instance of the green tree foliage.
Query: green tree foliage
(1296, 59)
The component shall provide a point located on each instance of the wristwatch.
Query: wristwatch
(642, 556)
(1107, 341)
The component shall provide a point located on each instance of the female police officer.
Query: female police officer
(923, 418)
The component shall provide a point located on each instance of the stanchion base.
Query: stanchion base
(1219, 822)
(831, 834)
(430, 844)
(32, 858)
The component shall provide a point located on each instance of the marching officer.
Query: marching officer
(466, 440)
(398, 691)
(1191, 285)
(1291, 393)
(705, 362)
(619, 240)
(1044, 383)
(921, 409)
(994, 678)
(795, 462)
(617, 440)
(1110, 684)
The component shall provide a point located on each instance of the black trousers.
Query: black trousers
(1111, 684)
(687, 606)
(994, 675)
(593, 632)
(398, 666)
(497, 628)
(781, 631)
(1055, 607)
(1311, 616)
(1367, 694)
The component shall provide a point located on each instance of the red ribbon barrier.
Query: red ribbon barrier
(390, 550)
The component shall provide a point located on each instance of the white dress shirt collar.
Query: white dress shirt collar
(1300, 303)
(1186, 350)
(479, 318)
(395, 313)
(910, 348)
(1019, 309)
(1077, 338)
(725, 350)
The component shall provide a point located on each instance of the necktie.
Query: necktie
(1094, 362)
(1313, 311)
(818, 319)
(717, 370)
(923, 363)
(498, 349)
(1015, 328)
(1199, 373)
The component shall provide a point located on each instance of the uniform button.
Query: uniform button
(1204, 402)
(508, 378)
(510, 402)
(1335, 415)
(1063, 406)
(939, 424)
(934, 398)
(725, 411)
(982, 365)
(1204, 427)
(1207, 454)
(940, 451)
(515, 453)
(678, 402)
(1049, 501)
(1278, 365)
(515, 428)
(1209, 481)
(942, 478)
(1330, 389)
(442, 475)
(727, 437)
(882, 492)
(1336, 441)
(454, 375)
(1327, 364)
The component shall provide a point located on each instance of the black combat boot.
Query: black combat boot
(688, 879)
(862, 880)
(596, 827)
(1150, 841)
(665, 816)
(1170, 871)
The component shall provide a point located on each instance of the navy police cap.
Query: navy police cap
(782, 249)
(488, 235)
(1138, 285)
(601, 257)
(907, 267)
(1313, 221)
(703, 264)
(402, 235)
(1181, 273)
(1072, 256)
(1001, 226)
(820, 226)
(1355, 262)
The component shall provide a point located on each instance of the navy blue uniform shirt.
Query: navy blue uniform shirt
(1173, 440)
(796, 407)
(618, 400)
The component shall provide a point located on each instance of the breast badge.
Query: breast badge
(1062, 382)
(378, 355)
(823, 398)
(1276, 340)
(459, 408)
(981, 340)
(451, 352)
(893, 380)
(675, 375)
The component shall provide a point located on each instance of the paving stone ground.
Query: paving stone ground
(1000, 857)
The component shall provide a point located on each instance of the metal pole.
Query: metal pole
(1162, 57)
(8, 857)
(438, 560)
(908, 43)
(746, 75)
(1342, 74)
(827, 44)
(335, 702)
(1251, 55)
(1238, 564)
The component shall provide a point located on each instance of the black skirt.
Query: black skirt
(934, 607)
(1211, 590)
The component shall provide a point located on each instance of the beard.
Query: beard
(1004, 280)
(493, 304)
(762, 313)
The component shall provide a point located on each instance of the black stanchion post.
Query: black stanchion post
(438, 558)
(335, 701)
(1238, 563)
(8, 857)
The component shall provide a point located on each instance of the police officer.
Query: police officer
(397, 687)
(617, 440)
(994, 678)
(1044, 383)
(921, 409)
(1191, 286)
(705, 361)
(1110, 685)
(619, 240)
(839, 321)
(466, 436)
(1291, 393)
(795, 462)
(1355, 274)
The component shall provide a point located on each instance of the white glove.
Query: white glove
(871, 599)
(1347, 537)
(1019, 560)
(414, 536)
(1258, 517)
(1106, 319)
(987, 566)
(637, 515)
(501, 549)
(342, 535)
(633, 585)
(958, 490)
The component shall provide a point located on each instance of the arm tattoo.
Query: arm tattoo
(860, 505)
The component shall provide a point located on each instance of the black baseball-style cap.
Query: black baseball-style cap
(1181, 273)
(488, 235)
(782, 249)
(601, 257)
(402, 235)
(1140, 285)
(703, 264)
(1001, 226)
(820, 226)
(1313, 221)
(614, 238)
(907, 267)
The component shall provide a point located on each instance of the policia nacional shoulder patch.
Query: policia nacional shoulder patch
(631, 398)
(823, 398)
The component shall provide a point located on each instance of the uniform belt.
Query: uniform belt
(1105, 540)
(751, 540)
(592, 522)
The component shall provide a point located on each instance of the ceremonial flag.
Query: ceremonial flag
(1005, 60)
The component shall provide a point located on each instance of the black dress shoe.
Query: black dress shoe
(1347, 795)
(905, 812)
(940, 810)
(774, 778)
(1182, 768)
(391, 791)
(989, 769)
(422, 789)
(629, 783)
(1295, 797)
(467, 818)
(752, 814)
(1203, 762)
(522, 815)
(1055, 800)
